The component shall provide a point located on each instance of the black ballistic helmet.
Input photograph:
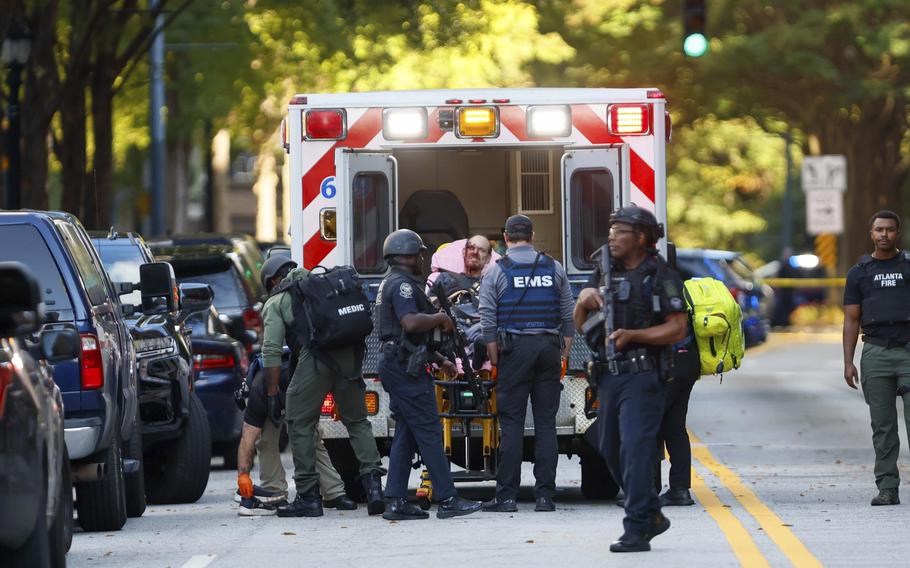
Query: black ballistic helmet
(273, 266)
(641, 218)
(404, 242)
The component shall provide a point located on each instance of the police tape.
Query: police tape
(805, 282)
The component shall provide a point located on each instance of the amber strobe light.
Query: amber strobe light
(477, 122)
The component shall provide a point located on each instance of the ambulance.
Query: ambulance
(449, 164)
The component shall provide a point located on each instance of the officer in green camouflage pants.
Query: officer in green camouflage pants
(310, 383)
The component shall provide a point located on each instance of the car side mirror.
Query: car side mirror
(195, 297)
(60, 344)
(21, 310)
(124, 288)
(159, 288)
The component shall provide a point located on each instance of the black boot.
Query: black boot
(398, 509)
(457, 507)
(676, 498)
(886, 497)
(342, 503)
(372, 486)
(307, 504)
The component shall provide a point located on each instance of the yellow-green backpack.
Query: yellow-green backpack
(717, 322)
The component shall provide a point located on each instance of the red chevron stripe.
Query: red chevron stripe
(359, 135)
(315, 250)
(595, 130)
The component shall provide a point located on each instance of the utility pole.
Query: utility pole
(156, 121)
(786, 233)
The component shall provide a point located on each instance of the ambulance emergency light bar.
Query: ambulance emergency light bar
(326, 124)
(477, 122)
(629, 119)
(404, 123)
(551, 121)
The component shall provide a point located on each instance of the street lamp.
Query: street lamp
(17, 45)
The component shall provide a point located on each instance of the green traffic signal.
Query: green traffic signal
(695, 45)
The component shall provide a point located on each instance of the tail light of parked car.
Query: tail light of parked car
(252, 320)
(6, 379)
(211, 361)
(92, 366)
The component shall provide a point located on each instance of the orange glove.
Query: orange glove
(245, 485)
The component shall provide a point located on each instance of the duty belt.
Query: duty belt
(633, 364)
(886, 343)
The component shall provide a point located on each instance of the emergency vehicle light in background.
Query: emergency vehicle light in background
(326, 124)
(552, 121)
(327, 224)
(477, 122)
(628, 119)
(404, 123)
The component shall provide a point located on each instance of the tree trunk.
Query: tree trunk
(875, 176)
(221, 168)
(71, 152)
(34, 160)
(266, 190)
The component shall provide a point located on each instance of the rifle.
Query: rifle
(604, 319)
(458, 346)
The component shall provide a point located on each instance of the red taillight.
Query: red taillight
(252, 320)
(208, 361)
(328, 405)
(629, 119)
(6, 379)
(92, 367)
(328, 124)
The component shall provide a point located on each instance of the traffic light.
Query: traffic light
(695, 42)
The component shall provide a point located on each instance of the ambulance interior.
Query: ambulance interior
(452, 193)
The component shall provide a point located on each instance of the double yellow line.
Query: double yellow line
(740, 540)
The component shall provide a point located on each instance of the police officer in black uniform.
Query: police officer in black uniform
(877, 296)
(526, 316)
(405, 319)
(649, 317)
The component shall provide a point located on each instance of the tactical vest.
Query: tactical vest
(531, 299)
(887, 300)
(388, 323)
(633, 296)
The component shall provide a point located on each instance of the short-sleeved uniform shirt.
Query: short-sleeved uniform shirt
(399, 294)
(859, 286)
(666, 286)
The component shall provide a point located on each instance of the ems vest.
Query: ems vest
(888, 300)
(531, 299)
(388, 323)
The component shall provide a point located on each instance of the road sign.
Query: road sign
(824, 172)
(824, 211)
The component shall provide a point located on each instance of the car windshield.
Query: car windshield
(24, 243)
(225, 283)
(199, 324)
(122, 263)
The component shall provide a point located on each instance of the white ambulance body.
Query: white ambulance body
(449, 164)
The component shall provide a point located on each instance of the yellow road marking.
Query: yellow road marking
(739, 538)
(780, 534)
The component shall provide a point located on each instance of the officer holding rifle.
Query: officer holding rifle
(644, 313)
(406, 321)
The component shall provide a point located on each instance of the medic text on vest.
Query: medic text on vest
(888, 279)
(351, 309)
(532, 281)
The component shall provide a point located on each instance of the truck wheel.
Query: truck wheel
(135, 482)
(596, 481)
(35, 550)
(102, 504)
(345, 463)
(179, 472)
(61, 532)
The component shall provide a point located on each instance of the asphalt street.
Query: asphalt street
(783, 462)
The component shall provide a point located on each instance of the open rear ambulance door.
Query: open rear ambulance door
(368, 187)
(595, 182)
